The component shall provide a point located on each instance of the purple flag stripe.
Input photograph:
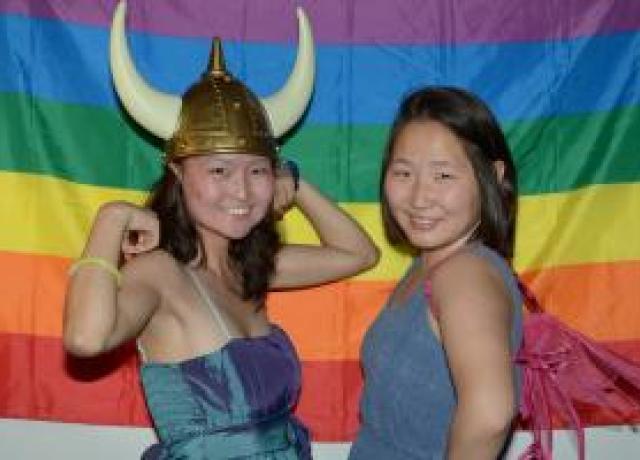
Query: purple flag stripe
(355, 21)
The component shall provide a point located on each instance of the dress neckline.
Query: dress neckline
(274, 331)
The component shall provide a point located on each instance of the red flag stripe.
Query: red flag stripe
(40, 382)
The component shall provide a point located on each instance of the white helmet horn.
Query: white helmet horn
(286, 106)
(154, 110)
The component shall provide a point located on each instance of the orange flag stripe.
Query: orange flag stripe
(601, 300)
(328, 322)
(318, 320)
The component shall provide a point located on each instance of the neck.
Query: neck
(215, 250)
(434, 257)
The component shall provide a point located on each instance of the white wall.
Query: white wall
(29, 440)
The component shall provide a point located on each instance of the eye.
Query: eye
(444, 176)
(400, 173)
(218, 171)
(260, 170)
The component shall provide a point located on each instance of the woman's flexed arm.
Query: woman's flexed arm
(345, 249)
(102, 311)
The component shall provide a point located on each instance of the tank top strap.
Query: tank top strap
(141, 353)
(395, 298)
(208, 302)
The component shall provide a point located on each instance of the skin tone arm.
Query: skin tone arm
(345, 248)
(475, 330)
(98, 315)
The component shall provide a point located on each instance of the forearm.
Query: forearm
(90, 307)
(335, 228)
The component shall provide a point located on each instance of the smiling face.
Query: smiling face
(227, 194)
(431, 188)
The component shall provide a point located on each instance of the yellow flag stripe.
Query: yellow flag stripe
(50, 216)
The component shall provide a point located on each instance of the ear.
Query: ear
(176, 168)
(499, 167)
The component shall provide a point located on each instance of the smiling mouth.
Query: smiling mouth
(238, 211)
(426, 223)
(424, 220)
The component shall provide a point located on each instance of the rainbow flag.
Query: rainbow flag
(562, 77)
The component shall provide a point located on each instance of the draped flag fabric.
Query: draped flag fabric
(563, 78)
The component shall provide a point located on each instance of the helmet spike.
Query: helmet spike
(217, 66)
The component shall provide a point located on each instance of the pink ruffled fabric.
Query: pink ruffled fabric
(567, 375)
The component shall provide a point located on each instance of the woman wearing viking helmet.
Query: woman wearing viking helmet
(219, 378)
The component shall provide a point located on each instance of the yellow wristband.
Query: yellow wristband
(98, 262)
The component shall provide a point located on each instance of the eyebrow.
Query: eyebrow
(251, 162)
(212, 158)
(403, 160)
(395, 159)
(442, 163)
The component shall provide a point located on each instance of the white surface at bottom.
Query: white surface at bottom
(33, 440)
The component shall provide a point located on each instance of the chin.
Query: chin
(436, 244)
(423, 241)
(427, 240)
(236, 233)
(235, 236)
(422, 245)
(229, 231)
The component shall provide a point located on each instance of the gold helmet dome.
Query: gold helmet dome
(217, 114)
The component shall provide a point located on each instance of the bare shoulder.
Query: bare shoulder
(469, 282)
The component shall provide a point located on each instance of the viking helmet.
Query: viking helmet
(217, 114)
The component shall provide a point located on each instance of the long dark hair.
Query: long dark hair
(475, 125)
(251, 259)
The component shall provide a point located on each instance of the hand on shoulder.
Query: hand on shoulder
(142, 231)
(139, 227)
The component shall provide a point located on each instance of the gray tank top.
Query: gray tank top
(408, 397)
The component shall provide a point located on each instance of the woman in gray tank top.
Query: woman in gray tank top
(440, 380)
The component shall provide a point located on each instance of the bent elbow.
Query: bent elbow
(499, 421)
(490, 421)
(371, 258)
(81, 346)
(500, 426)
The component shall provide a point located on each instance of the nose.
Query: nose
(422, 192)
(239, 184)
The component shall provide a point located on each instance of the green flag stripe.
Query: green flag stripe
(100, 146)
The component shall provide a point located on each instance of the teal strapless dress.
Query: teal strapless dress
(233, 403)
